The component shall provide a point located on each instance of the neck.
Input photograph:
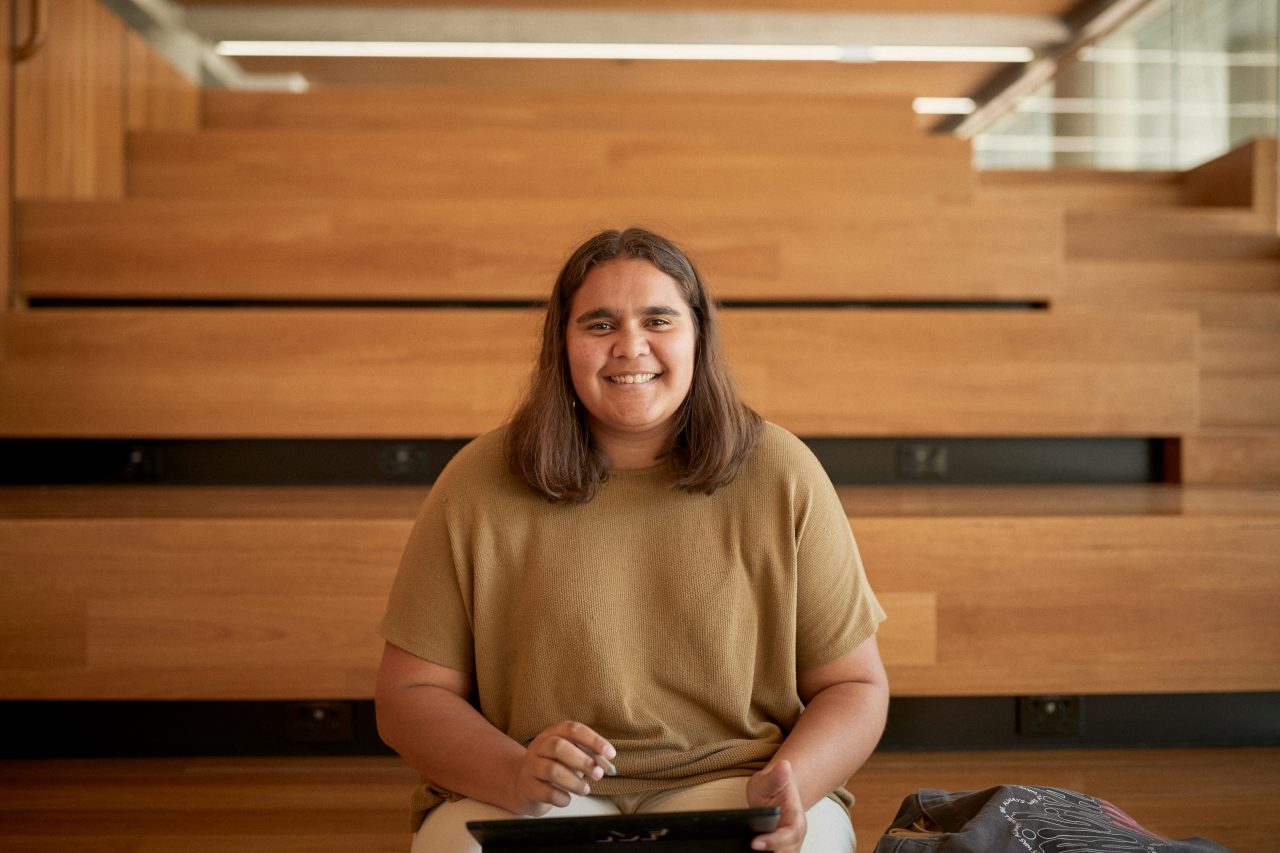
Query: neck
(629, 451)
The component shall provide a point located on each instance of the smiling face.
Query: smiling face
(631, 343)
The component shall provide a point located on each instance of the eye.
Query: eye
(599, 326)
(658, 321)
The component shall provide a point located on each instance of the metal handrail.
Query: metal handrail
(1104, 19)
(39, 26)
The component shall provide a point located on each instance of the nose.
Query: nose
(631, 342)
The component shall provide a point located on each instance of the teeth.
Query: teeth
(633, 378)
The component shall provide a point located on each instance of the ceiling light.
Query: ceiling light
(535, 50)
(587, 50)
(949, 53)
(943, 106)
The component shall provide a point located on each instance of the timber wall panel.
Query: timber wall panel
(817, 245)
(76, 98)
(200, 608)
(193, 598)
(158, 96)
(7, 290)
(1226, 294)
(68, 107)
(574, 164)
(1018, 600)
(457, 372)
(1247, 176)
(621, 79)
(1219, 256)
(496, 110)
(1189, 234)
(1244, 457)
(1081, 190)
(1240, 400)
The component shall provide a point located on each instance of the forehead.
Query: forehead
(627, 283)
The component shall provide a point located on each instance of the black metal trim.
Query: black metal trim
(848, 461)
(45, 303)
(65, 729)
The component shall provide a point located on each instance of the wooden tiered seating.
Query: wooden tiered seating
(816, 246)
(1215, 252)
(400, 217)
(273, 593)
(586, 165)
(457, 372)
(477, 197)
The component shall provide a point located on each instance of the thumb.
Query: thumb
(774, 779)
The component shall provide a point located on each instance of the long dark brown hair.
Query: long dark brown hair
(548, 442)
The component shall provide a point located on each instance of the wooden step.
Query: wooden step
(1082, 190)
(618, 80)
(1240, 400)
(1240, 378)
(456, 372)
(1231, 457)
(517, 163)
(1238, 303)
(1225, 293)
(1248, 176)
(817, 246)
(282, 603)
(1156, 281)
(1189, 234)
(1242, 350)
(1243, 179)
(499, 110)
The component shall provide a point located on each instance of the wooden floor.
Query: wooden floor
(359, 804)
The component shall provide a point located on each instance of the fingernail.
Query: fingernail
(606, 765)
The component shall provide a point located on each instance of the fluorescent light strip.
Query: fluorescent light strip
(945, 53)
(534, 50)
(943, 106)
(584, 50)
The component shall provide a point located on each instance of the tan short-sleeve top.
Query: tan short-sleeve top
(672, 623)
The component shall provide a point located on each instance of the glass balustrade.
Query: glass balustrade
(1179, 83)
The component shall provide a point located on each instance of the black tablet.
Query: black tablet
(662, 832)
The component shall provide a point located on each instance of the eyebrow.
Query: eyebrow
(649, 311)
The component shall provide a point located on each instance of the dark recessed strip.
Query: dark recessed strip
(892, 304)
(46, 303)
(55, 303)
(870, 461)
(68, 729)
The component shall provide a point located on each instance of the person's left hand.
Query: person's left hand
(773, 786)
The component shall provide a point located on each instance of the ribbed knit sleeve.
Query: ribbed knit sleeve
(836, 609)
(429, 610)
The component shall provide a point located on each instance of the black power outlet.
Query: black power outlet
(1051, 715)
(320, 722)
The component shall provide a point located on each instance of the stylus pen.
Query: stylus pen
(605, 764)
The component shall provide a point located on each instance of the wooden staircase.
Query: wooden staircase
(1204, 241)
(342, 264)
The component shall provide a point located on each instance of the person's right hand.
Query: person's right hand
(559, 762)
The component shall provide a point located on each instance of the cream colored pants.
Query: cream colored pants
(445, 829)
